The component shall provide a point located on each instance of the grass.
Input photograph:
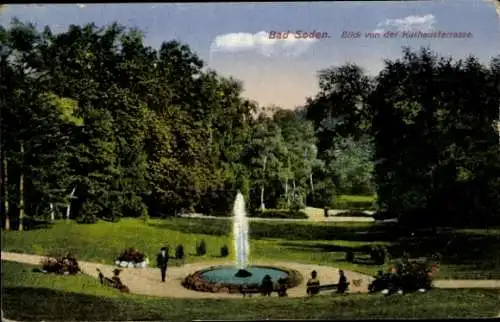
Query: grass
(356, 198)
(34, 296)
(354, 202)
(471, 254)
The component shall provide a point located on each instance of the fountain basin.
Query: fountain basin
(223, 278)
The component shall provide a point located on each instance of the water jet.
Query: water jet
(231, 278)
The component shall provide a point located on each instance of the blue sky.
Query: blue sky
(233, 38)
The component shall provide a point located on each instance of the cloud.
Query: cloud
(260, 43)
(409, 23)
(80, 5)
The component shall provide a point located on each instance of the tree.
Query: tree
(432, 150)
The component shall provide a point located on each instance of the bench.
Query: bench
(329, 287)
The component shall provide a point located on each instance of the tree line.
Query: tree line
(95, 121)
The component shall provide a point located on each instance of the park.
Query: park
(110, 153)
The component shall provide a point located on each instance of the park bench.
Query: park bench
(333, 287)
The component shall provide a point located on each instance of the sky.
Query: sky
(234, 38)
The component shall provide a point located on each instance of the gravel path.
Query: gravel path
(146, 281)
(315, 214)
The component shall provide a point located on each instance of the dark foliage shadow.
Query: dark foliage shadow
(281, 230)
(30, 223)
(38, 304)
(324, 248)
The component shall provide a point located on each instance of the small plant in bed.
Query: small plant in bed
(63, 265)
(405, 276)
(179, 252)
(201, 248)
(131, 257)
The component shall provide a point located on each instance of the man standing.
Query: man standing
(162, 262)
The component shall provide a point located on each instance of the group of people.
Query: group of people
(313, 284)
(267, 286)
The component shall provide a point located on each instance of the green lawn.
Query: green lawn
(356, 198)
(34, 296)
(467, 254)
(102, 242)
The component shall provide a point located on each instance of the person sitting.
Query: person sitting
(378, 282)
(342, 284)
(266, 287)
(313, 284)
(118, 282)
(282, 288)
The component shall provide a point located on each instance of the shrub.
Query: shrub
(145, 214)
(279, 213)
(297, 201)
(131, 255)
(353, 214)
(384, 215)
(282, 203)
(414, 275)
(201, 248)
(349, 256)
(179, 252)
(87, 219)
(408, 276)
(88, 213)
(378, 253)
(224, 251)
(355, 204)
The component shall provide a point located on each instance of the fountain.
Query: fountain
(231, 278)
(240, 235)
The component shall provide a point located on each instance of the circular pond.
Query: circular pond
(227, 274)
(226, 278)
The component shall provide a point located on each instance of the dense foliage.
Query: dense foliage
(97, 125)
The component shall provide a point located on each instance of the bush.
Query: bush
(89, 212)
(179, 252)
(406, 275)
(145, 214)
(379, 254)
(279, 214)
(353, 214)
(88, 219)
(355, 205)
(415, 275)
(349, 256)
(297, 200)
(384, 215)
(224, 251)
(131, 255)
(201, 248)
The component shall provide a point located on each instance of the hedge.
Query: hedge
(355, 205)
(353, 214)
(279, 214)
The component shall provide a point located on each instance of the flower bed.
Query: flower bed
(132, 258)
(63, 265)
(196, 282)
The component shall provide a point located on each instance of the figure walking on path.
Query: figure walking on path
(343, 284)
(162, 262)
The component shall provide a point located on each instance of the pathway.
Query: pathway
(315, 214)
(145, 281)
